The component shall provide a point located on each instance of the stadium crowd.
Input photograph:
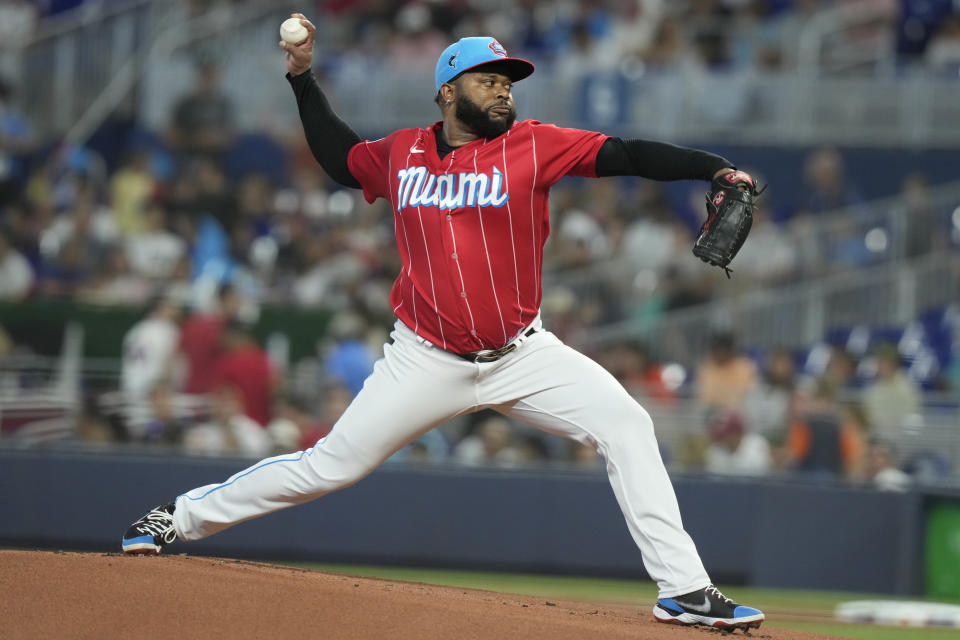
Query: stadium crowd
(173, 228)
(203, 385)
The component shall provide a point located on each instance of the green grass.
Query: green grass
(868, 632)
(786, 609)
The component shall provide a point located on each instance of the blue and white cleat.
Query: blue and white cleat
(151, 532)
(708, 607)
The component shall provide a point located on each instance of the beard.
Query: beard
(480, 121)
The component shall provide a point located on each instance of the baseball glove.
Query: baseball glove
(730, 204)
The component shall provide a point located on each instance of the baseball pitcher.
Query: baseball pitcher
(469, 196)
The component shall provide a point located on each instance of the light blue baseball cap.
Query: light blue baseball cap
(469, 53)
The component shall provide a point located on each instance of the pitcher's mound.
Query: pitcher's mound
(85, 595)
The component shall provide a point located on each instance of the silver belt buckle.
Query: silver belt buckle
(492, 355)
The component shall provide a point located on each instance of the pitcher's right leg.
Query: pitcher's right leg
(413, 388)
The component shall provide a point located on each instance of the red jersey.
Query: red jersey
(471, 227)
(200, 342)
(248, 371)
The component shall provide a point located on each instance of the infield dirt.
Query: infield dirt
(86, 595)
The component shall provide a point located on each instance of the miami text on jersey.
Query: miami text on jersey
(419, 188)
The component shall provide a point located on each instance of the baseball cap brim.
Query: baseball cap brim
(517, 68)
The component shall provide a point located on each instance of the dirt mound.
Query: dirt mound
(84, 595)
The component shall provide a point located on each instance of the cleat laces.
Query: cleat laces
(158, 524)
(716, 592)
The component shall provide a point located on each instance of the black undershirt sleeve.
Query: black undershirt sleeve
(329, 137)
(656, 160)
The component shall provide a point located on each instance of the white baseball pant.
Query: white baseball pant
(416, 386)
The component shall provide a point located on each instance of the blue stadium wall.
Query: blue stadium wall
(755, 533)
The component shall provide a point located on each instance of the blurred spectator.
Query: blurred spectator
(769, 257)
(179, 286)
(335, 400)
(736, 451)
(15, 141)
(881, 469)
(211, 193)
(66, 273)
(306, 197)
(533, 450)
(856, 431)
(767, 407)
(846, 246)
(16, 274)
(943, 50)
(155, 251)
(245, 367)
(649, 239)
(669, 47)
(585, 457)
(327, 271)
(580, 240)
(348, 359)
(827, 185)
(150, 349)
(203, 120)
(891, 397)
(632, 365)
(291, 420)
(489, 443)
(415, 43)
(725, 377)
(86, 223)
(228, 431)
(805, 231)
(582, 57)
(252, 237)
(820, 441)
(6, 343)
(841, 370)
(682, 288)
(114, 283)
(201, 340)
(18, 21)
(165, 424)
(430, 448)
(559, 308)
(634, 24)
(926, 226)
(77, 244)
(131, 188)
(23, 226)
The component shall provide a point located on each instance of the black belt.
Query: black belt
(492, 355)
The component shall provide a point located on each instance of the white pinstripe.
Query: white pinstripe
(533, 225)
(433, 289)
(396, 231)
(413, 297)
(487, 251)
(513, 245)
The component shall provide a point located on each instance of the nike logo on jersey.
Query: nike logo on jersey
(414, 149)
(419, 188)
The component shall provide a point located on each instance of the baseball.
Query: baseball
(292, 31)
